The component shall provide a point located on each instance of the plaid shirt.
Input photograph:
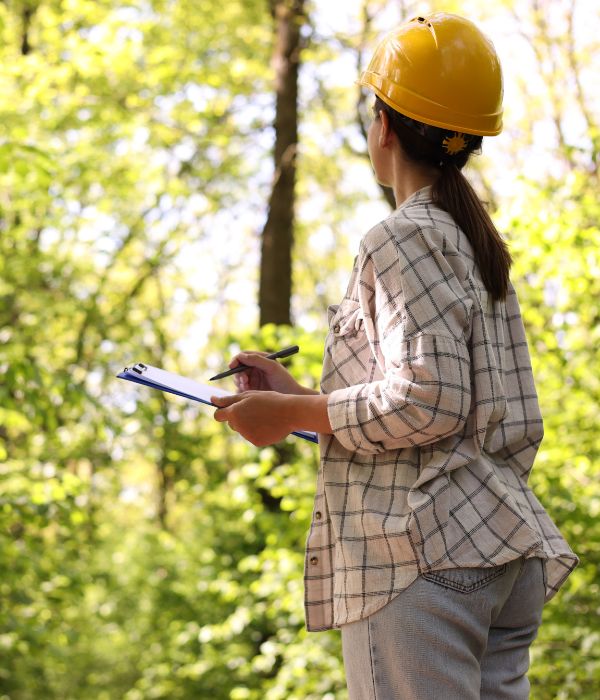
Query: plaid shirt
(435, 424)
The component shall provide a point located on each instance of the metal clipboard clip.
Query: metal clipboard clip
(140, 368)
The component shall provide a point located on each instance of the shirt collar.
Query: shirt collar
(420, 197)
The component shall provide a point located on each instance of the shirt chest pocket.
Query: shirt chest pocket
(348, 320)
(349, 351)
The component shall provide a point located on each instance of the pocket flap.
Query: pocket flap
(348, 319)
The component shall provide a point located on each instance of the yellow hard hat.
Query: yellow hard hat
(440, 70)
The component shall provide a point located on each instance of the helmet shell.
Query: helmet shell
(441, 70)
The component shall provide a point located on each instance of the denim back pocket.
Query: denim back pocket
(466, 580)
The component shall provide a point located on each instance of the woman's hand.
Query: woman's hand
(264, 375)
(266, 417)
(262, 417)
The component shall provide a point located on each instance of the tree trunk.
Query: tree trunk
(29, 9)
(363, 118)
(275, 288)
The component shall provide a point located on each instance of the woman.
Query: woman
(427, 548)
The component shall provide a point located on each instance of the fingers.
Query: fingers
(220, 415)
(246, 381)
(242, 358)
(254, 359)
(241, 381)
(223, 403)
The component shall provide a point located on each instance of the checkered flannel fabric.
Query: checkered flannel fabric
(436, 425)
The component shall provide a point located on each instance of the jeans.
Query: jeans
(459, 634)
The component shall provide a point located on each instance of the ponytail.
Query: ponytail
(453, 193)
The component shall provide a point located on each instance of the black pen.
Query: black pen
(286, 352)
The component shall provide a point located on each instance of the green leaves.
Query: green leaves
(554, 236)
(146, 551)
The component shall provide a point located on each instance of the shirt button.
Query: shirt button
(336, 329)
(318, 515)
(314, 561)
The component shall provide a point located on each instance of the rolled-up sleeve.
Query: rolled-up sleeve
(422, 400)
(412, 294)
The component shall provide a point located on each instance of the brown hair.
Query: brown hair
(453, 193)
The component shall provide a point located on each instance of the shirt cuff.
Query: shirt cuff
(342, 408)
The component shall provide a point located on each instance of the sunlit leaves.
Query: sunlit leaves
(146, 551)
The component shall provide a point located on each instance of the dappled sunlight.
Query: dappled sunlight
(146, 550)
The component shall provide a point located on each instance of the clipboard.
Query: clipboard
(160, 379)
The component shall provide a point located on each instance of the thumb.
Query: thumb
(253, 359)
(225, 401)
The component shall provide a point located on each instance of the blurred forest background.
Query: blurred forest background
(158, 159)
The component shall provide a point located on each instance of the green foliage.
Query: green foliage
(146, 552)
(555, 241)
